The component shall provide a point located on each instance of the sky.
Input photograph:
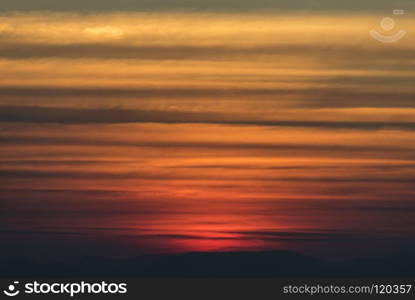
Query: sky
(167, 127)
(211, 5)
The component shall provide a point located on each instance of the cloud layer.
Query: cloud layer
(176, 132)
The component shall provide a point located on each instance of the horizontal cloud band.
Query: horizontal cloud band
(99, 116)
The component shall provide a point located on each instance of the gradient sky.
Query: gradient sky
(212, 5)
(150, 128)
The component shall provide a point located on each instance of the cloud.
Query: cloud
(284, 145)
(324, 235)
(60, 115)
(304, 97)
(106, 31)
(96, 175)
(357, 54)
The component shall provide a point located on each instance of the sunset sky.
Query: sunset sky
(131, 127)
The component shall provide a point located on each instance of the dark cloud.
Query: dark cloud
(37, 232)
(354, 54)
(378, 167)
(51, 162)
(79, 141)
(331, 97)
(294, 235)
(51, 204)
(46, 174)
(258, 235)
(110, 116)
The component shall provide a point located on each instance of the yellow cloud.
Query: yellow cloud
(105, 31)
